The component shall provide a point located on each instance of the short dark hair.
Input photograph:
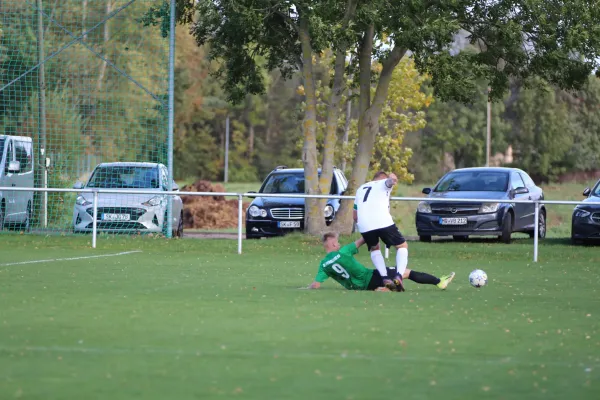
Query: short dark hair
(379, 174)
(329, 235)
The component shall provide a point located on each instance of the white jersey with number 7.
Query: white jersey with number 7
(372, 204)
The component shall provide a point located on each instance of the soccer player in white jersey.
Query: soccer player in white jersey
(375, 223)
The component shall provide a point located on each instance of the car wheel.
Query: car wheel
(425, 238)
(541, 226)
(460, 238)
(507, 228)
(179, 231)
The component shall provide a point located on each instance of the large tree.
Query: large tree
(555, 40)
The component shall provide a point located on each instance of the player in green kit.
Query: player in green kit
(340, 265)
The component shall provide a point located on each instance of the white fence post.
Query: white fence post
(95, 223)
(536, 232)
(239, 224)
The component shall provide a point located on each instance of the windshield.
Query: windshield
(597, 190)
(291, 183)
(124, 178)
(475, 181)
(284, 183)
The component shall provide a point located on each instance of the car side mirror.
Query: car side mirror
(78, 185)
(175, 187)
(252, 191)
(587, 191)
(521, 190)
(426, 191)
(14, 167)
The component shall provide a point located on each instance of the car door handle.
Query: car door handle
(14, 184)
(529, 197)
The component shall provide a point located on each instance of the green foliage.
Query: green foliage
(460, 129)
(403, 112)
(542, 132)
(515, 39)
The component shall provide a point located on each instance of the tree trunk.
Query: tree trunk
(331, 126)
(83, 19)
(368, 128)
(333, 114)
(314, 220)
(347, 126)
(106, 39)
(250, 140)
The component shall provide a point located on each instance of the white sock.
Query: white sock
(379, 262)
(401, 260)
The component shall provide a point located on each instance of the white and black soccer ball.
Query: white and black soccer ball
(478, 278)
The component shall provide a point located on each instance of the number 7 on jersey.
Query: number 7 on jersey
(368, 189)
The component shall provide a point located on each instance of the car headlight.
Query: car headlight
(328, 211)
(153, 202)
(263, 213)
(254, 211)
(81, 201)
(581, 213)
(424, 207)
(488, 208)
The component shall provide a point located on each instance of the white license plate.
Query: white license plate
(453, 221)
(115, 217)
(289, 224)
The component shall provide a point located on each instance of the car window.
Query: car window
(334, 184)
(473, 181)
(124, 177)
(516, 181)
(165, 178)
(596, 191)
(23, 155)
(292, 183)
(527, 179)
(9, 156)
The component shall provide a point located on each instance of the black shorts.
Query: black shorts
(377, 281)
(390, 235)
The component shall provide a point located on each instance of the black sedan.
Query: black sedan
(276, 216)
(499, 217)
(586, 217)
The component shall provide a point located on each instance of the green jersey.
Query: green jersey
(344, 269)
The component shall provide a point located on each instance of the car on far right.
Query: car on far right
(585, 225)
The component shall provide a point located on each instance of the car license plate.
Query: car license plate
(115, 217)
(453, 221)
(289, 224)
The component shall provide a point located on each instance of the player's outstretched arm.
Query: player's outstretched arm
(314, 285)
(359, 242)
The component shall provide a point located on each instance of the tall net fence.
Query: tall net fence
(82, 82)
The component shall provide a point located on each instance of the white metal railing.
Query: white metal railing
(240, 197)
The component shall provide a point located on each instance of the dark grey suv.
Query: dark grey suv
(275, 216)
(499, 217)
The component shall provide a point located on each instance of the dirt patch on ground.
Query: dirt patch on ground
(209, 212)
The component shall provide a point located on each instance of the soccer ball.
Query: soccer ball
(478, 278)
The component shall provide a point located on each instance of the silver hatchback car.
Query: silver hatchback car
(123, 212)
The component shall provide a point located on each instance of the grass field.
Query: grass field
(191, 319)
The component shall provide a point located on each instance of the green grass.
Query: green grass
(190, 319)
